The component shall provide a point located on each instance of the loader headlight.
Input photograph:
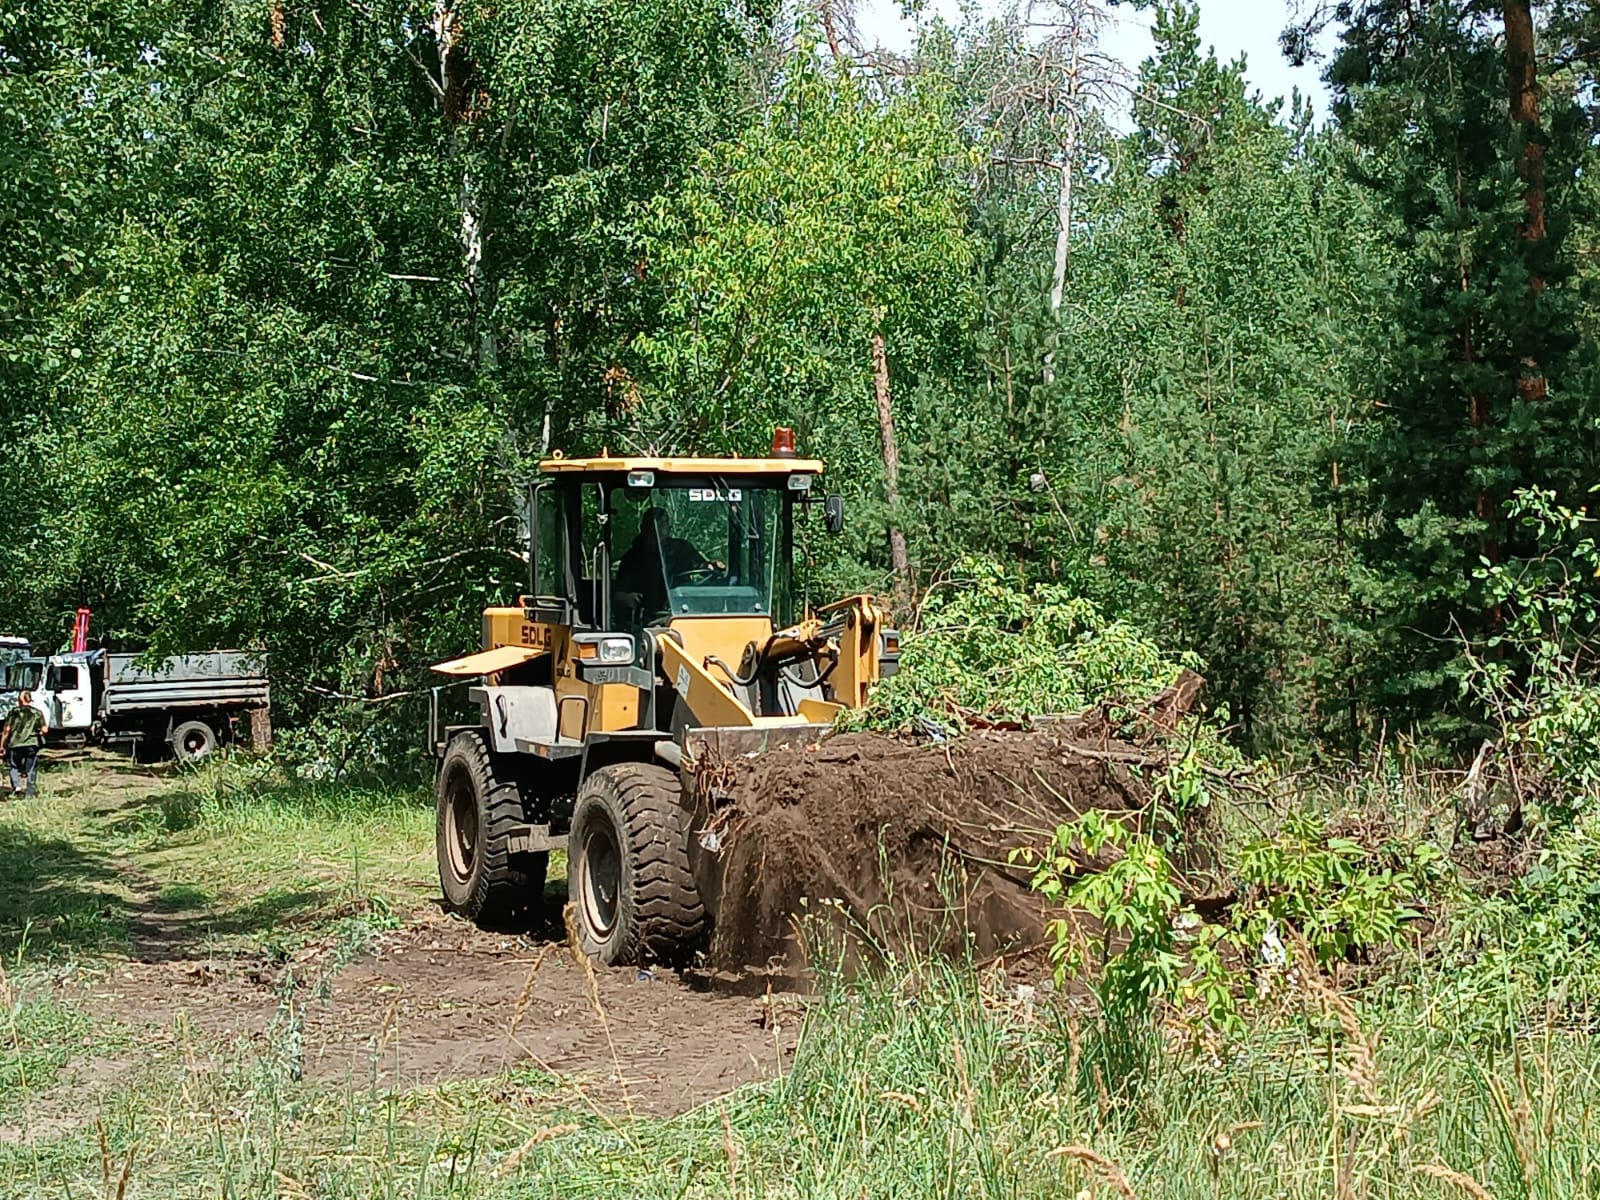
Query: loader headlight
(610, 648)
(616, 650)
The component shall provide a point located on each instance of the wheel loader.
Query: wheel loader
(661, 633)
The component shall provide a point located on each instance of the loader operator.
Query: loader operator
(655, 562)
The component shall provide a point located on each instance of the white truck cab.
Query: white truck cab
(67, 694)
(62, 690)
(186, 705)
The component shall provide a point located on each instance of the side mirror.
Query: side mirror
(833, 513)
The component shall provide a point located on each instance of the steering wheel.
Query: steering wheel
(705, 573)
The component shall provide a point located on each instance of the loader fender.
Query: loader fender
(634, 898)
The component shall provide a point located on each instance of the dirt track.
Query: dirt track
(429, 1001)
(437, 1000)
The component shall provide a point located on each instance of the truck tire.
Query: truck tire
(628, 875)
(193, 742)
(476, 814)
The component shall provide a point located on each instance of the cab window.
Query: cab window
(548, 576)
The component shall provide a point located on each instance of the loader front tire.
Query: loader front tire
(476, 813)
(628, 876)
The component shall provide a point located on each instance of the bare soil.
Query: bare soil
(438, 1000)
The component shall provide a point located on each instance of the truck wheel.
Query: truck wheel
(476, 813)
(193, 741)
(628, 873)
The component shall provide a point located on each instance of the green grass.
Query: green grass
(37, 1039)
(228, 857)
(936, 1083)
(1477, 1057)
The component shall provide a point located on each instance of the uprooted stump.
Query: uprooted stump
(896, 843)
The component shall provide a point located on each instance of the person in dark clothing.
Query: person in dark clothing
(655, 561)
(20, 738)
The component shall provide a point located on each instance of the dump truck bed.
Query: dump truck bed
(215, 679)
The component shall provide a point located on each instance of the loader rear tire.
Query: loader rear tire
(476, 813)
(628, 877)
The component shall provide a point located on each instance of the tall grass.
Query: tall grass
(943, 1084)
(932, 1080)
(1469, 1069)
(247, 798)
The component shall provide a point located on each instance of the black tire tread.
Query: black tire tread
(175, 740)
(502, 889)
(669, 918)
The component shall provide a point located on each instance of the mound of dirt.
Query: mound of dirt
(898, 842)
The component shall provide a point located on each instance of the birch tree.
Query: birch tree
(809, 260)
(1049, 79)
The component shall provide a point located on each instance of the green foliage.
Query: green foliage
(1516, 945)
(1135, 901)
(1558, 905)
(988, 647)
(1483, 383)
(1539, 674)
(1174, 468)
(836, 215)
(1345, 898)
(290, 294)
(1340, 898)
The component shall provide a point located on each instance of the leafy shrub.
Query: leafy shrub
(1540, 679)
(1135, 901)
(1344, 898)
(985, 646)
(353, 740)
(1536, 944)
(1338, 897)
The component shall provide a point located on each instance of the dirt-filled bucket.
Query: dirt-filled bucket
(897, 843)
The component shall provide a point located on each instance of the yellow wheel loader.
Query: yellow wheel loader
(662, 632)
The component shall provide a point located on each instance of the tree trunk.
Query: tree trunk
(830, 29)
(260, 729)
(1523, 81)
(452, 88)
(898, 557)
(1523, 87)
(1064, 180)
(1058, 280)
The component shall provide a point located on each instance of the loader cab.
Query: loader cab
(701, 547)
(622, 555)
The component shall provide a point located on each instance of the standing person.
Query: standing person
(20, 736)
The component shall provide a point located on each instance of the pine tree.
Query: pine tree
(1473, 391)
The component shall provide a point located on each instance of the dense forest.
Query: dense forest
(294, 294)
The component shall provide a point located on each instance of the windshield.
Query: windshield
(709, 549)
(24, 676)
